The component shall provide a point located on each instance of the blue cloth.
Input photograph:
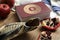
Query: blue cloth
(54, 7)
(47, 2)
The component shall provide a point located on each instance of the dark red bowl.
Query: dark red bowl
(49, 28)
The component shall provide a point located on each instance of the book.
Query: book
(32, 10)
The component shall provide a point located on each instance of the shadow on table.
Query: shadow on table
(24, 36)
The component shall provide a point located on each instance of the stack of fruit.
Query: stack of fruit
(5, 6)
(50, 24)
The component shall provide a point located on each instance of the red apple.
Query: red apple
(9, 2)
(4, 10)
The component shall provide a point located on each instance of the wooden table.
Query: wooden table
(31, 35)
(12, 17)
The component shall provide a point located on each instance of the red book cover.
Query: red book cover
(32, 10)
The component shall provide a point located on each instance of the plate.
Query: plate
(11, 30)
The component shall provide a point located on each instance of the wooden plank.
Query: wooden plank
(12, 17)
(31, 35)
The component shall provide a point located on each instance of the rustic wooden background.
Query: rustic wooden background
(31, 35)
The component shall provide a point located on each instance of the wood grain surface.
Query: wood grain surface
(12, 17)
(31, 35)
